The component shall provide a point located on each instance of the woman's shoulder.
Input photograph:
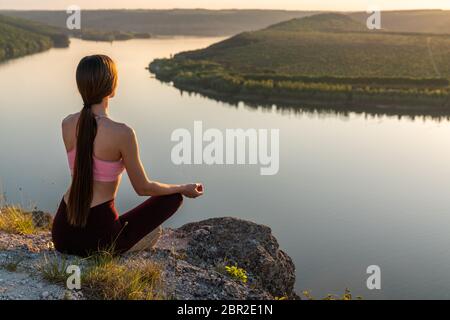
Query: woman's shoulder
(112, 127)
(106, 121)
(69, 123)
(118, 131)
(118, 127)
(70, 119)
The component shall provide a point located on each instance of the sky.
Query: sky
(338, 5)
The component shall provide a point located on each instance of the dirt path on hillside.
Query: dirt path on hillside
(433, 62)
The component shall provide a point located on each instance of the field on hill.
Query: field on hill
(323, 57)
(20, 37)
(331, 45)
(424, 21)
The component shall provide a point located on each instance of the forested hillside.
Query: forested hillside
(329, 57)
(19, 37)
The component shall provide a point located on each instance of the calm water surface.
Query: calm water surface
(352, 190)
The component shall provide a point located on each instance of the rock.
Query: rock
(248, 245)
(213, 243)
(42, 219)
(192, 260)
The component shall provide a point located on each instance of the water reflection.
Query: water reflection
(320, 110)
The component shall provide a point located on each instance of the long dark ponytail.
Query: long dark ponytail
(96, 79)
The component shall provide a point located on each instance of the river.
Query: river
(353, 190)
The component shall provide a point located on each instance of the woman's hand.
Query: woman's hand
(192, 190)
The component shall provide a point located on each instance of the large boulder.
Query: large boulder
(233, 241)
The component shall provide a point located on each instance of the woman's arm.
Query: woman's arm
(143, 186)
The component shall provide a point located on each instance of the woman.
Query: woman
(99, 150)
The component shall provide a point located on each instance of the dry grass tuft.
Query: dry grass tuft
(105, 276)
(15, 220)
(53, 269)
(115, 281)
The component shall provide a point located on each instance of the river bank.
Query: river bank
(370, 107)
(214, 81)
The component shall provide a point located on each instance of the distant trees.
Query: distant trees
(327, 57)
(208, 75)
(57, 36)
(20, 37)
(15, 42)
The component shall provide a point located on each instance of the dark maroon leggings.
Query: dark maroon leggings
(105, 229)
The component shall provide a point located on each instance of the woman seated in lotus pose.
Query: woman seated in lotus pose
(99, 150)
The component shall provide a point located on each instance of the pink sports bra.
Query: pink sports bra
(105, 171)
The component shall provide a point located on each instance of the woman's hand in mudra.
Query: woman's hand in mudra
(192, 190)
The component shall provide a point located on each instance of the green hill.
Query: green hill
(328, 57)
(330, 45)
(19, 37)
(326, 22)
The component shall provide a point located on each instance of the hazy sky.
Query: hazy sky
(219, 4)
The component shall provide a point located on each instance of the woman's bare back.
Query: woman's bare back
(106, 147)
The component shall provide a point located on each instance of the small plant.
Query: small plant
(236, 273)
(54, 269)
(345, 296)
(307, 295)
